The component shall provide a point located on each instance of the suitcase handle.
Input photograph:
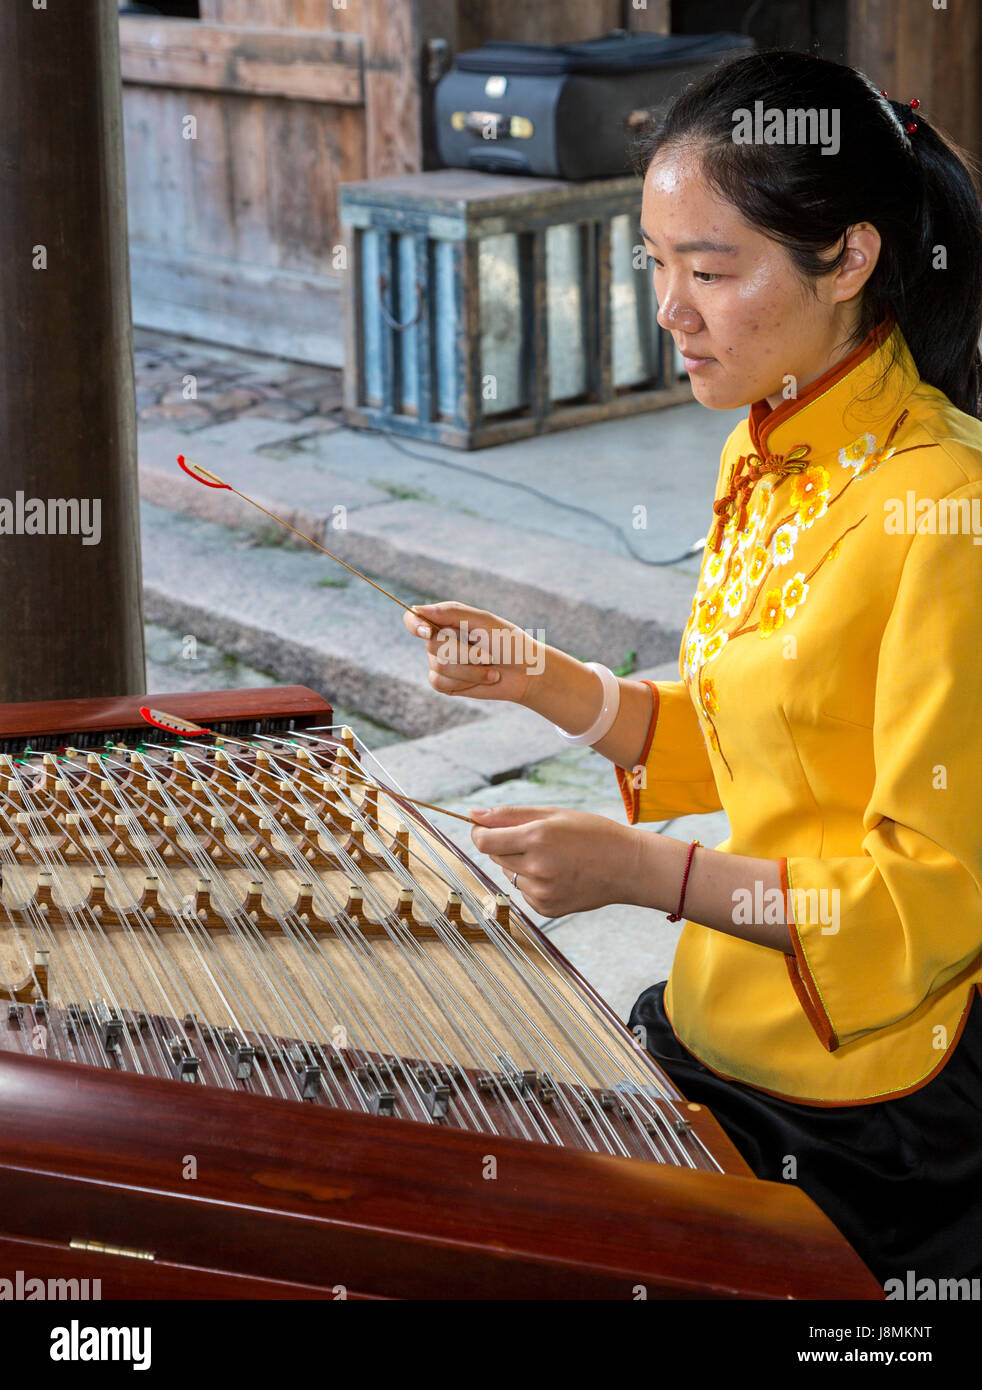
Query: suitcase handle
(383, 285)
(502, 126)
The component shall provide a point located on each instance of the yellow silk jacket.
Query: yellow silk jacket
(830, 702)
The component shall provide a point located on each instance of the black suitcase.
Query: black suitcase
(562, 111)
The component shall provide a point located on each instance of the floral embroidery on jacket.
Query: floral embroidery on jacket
(745, 561)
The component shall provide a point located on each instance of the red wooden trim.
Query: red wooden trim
(202, 707)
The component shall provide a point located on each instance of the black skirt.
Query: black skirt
(901, 1179)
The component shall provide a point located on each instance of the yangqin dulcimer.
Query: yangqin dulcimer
(267, 1033)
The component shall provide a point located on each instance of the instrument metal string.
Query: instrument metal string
(272, 811)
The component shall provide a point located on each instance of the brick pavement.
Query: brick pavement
(227, 385)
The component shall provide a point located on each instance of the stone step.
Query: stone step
(595, 604)
(267, 606)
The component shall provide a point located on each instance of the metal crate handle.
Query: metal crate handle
(383, 285)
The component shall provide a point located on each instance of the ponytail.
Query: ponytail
(939, 297)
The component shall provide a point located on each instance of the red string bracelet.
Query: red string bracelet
(677, 916)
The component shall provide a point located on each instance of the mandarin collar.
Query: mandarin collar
(840, 404)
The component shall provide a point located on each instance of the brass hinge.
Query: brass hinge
(98, 1248)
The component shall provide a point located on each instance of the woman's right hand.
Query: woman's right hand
(473, 652)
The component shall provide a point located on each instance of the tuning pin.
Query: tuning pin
(254, 899)
(149, 901)
(355, 907)
(42, 897)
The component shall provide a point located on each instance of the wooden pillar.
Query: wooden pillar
(70, 604)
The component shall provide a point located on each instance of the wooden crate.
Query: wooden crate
(484, 307)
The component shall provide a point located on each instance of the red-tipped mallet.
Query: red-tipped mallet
(210, 479)
(172, 723)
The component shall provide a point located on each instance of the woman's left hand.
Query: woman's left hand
(566, 861)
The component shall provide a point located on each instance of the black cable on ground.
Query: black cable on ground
(397, 444)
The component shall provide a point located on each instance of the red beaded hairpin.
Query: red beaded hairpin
(912, 106)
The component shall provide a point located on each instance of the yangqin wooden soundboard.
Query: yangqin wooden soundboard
(267, 1033)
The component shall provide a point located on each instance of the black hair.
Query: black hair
(919, 190)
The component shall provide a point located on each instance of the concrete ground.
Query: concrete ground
(566, 534)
